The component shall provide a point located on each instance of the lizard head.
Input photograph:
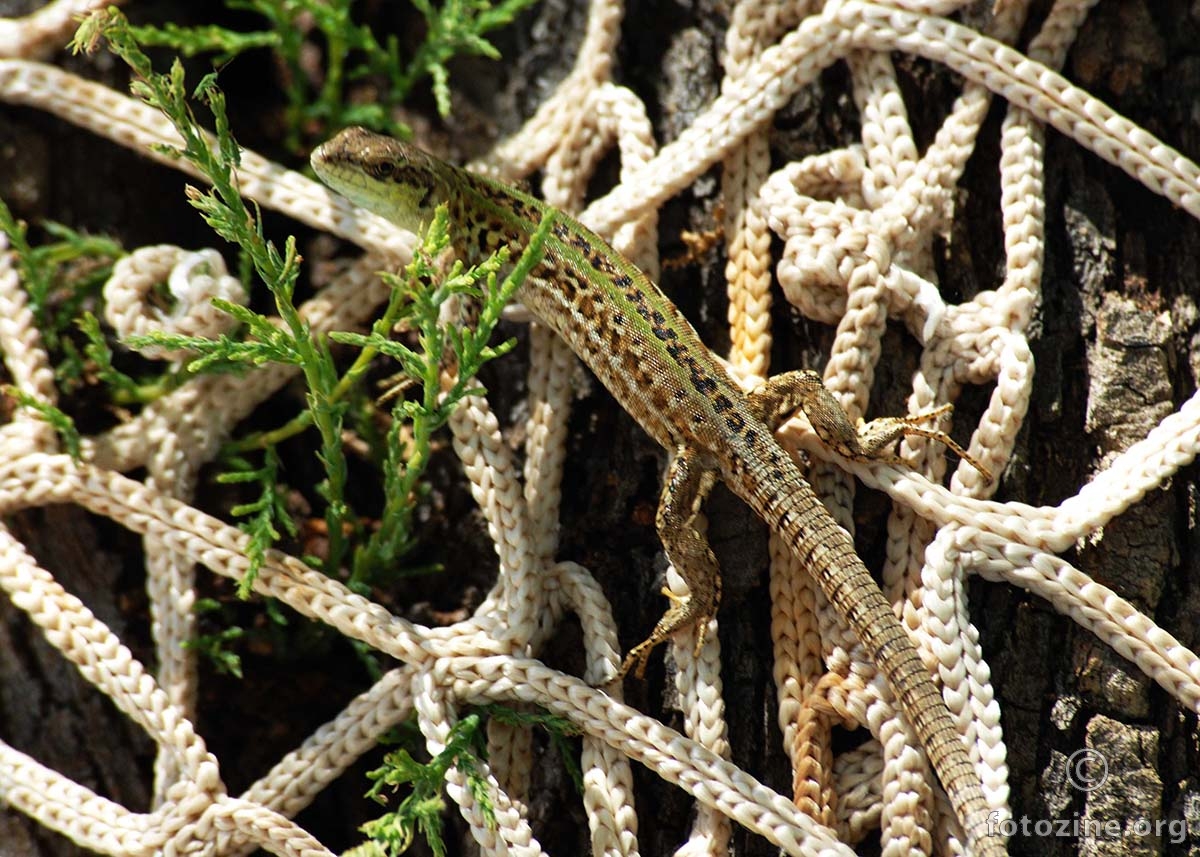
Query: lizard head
(395, 180)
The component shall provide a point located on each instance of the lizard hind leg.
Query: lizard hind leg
(878, 435)
(803, 389)
(867, 441)
(687, 485)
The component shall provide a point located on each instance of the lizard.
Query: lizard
(646, 353)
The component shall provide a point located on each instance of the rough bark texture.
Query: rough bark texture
(1117, 350)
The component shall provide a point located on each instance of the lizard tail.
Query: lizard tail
(825, 550)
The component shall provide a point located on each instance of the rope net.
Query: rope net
(856, 226)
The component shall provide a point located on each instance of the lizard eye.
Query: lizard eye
(377, 169)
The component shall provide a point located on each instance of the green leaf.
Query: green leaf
(264, 516)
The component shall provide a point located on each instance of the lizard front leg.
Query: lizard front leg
(803, 389)
(687, 486)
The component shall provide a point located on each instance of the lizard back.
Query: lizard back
(651, 359)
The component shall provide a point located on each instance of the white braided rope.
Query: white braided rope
(27, 362)
(856, 225)
(193, 280)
